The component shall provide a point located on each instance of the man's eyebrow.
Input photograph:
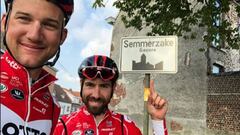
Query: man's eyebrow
(48, 19)
(22, 13)
(52, 20)
(88, 82)
(106, 84)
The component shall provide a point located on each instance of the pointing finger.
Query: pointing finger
(152, 89)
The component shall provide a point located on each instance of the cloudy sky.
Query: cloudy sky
(89, 34)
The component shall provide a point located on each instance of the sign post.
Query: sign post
(146, 94)
(149, 54)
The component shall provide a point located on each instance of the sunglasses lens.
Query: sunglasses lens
(107, 74)
(90, 72)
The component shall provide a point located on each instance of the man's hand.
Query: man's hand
(157, 106)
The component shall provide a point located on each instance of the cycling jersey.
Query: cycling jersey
(26, 108)
(82, 122)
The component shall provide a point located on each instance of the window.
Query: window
(68, 109)
(217, 68)
(62, 109)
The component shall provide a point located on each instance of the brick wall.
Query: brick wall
(223, 102)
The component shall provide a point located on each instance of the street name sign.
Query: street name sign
(149, 54)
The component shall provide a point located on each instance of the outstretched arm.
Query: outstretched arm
(157, 106)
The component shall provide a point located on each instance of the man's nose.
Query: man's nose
(96, 92)
(35, 33)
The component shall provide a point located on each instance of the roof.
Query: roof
(61, 95)
(73, 94)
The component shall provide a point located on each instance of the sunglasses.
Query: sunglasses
(91, 73)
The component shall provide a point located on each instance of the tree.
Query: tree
(176, 17)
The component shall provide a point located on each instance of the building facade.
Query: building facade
(187, 91)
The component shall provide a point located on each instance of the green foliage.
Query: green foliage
(176, 17)
(98, 3)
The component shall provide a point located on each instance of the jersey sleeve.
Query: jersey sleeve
(55, 118)
(159, 127)
(59, 130)
(130, 127)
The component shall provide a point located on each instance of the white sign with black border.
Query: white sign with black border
(149, 54)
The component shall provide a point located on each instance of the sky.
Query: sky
(88, 34)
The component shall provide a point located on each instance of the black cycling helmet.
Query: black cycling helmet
(98, 66)
(65, 5)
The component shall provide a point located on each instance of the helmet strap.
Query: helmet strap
(55, 59)
(81, 83)
(8, 6)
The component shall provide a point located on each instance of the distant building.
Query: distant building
(75, 98)
(69, 100)
(63, 99)
(144, 65)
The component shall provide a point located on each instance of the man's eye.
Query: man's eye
(89, 84)
(105, 85)
(51, 26)
(24, 19)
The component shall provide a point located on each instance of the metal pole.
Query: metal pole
(146, 94)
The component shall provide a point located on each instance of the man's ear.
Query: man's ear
(3, 21)
(64, 35)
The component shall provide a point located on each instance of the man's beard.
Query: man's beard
(96, 110)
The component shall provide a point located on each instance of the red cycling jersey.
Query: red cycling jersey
(26, 108)
(82, 122)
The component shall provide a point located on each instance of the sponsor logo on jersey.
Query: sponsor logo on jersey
(41, 102)
(126, 118)
(4, 76)
(86, 125)
(15, 81)
(108, 129)
(109, 123)
(89, 132)
(17, 94)
(13, 129)
(12, 64)
(3, 87)
(46, 96)
(42, 110)
(77, 132)
(79, 124)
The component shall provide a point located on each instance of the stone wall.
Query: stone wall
(228, 58)
(186, 91)
(223, 102)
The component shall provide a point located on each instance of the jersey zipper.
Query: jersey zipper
(28, 104)
(97, 124)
